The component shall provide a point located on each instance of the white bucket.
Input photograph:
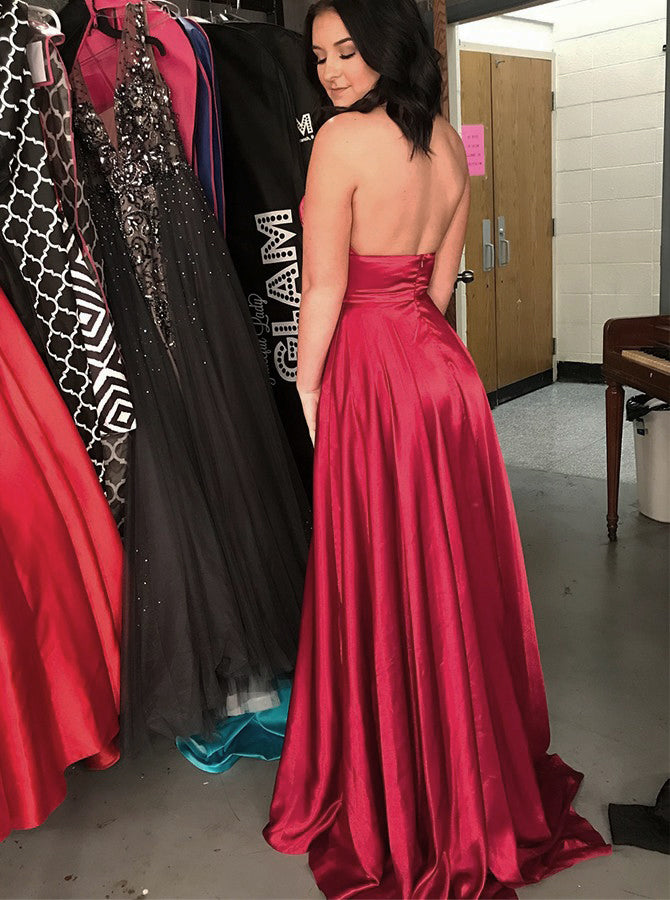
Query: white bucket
(652, 464)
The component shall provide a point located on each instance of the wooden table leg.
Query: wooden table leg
(614, 424)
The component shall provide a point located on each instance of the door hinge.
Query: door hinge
(553, 227)
(553, 346)
(553, 100)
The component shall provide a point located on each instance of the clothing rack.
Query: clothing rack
(246, 10)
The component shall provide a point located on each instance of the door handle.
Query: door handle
(488, 249)
(503, 243)
(467, 276)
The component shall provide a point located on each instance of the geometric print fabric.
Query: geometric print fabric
(33, 231)
(106, 371)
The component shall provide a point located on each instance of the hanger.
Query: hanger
(227, 15)
(104, 26)
(168, 7)
(44, 15)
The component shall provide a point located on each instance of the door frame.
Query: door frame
(457, 11)
(468, 10)
(454, 48)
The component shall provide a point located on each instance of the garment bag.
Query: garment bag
(267, 110)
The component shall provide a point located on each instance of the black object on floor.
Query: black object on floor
(643, 826)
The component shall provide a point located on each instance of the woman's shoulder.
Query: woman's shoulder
(451, 141)
(444, 131)
(361, 127)
(348, 128)
(353, 142)
(346, 139)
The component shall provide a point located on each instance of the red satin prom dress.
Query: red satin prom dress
(61, 575)
(415, 760)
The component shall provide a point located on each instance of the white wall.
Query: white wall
(608, 133)
(509, 31)
(610, 71)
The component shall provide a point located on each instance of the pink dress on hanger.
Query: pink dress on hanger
(97, 56)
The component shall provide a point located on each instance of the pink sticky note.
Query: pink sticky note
(473, 141)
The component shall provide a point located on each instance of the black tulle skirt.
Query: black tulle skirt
(217, 521)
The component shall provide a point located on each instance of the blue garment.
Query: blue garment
(254, 735)
(207, 148)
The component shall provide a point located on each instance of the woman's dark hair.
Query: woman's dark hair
(392, 39)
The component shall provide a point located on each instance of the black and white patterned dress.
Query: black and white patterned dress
(34, 238)
(116, 417)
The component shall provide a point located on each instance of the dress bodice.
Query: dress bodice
(399, 276)
(147, 150)
(391, 278)
(147, 139)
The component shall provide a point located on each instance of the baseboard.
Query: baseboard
(584, 373)
(525, 386)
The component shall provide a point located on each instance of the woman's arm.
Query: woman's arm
(448, 257)
(327, 237)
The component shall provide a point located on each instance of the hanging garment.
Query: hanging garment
(207, 152)
(216, 523)
(267, 134)
(250, 736)
(33, 233)
(74, 20)
(203, 140)
(259, 735)
(105, 364)
(96, 53)
(61, 573)
(116, 417)
(415, 760)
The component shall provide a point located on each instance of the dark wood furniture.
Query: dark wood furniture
(632, 356)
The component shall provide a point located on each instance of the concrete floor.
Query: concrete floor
(160, 826)
(561, 428)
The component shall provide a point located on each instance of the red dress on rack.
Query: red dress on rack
(415, 762)
(61, 572)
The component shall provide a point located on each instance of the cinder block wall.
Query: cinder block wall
(610, 70)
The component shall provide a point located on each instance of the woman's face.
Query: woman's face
(342, 70)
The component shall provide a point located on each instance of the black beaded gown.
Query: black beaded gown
(217, 520)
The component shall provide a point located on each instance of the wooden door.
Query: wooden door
(509, 309)
(481, 293)
(521, 105)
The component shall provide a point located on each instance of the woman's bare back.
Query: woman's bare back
(403, 205)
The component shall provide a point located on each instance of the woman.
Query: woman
(415, 759)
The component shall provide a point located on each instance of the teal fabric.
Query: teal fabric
(252, 735)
